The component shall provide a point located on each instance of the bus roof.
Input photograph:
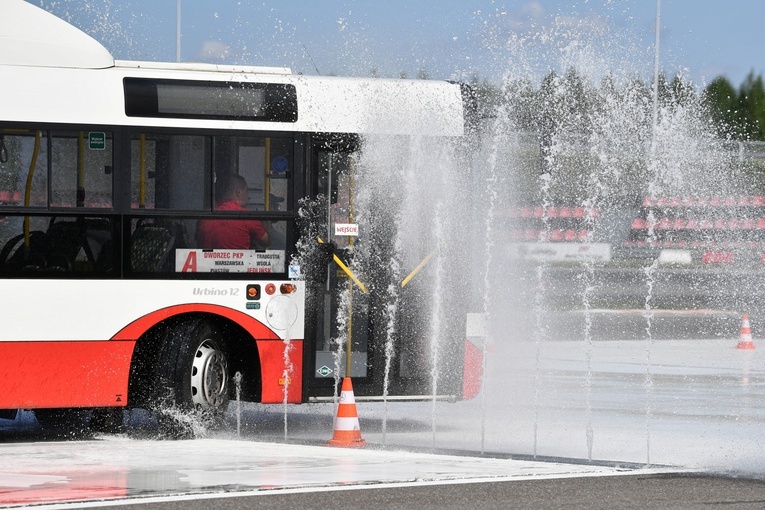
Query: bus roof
(200, 66)
(54, 73)
(30, 36)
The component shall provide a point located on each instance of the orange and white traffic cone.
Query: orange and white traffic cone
(347, 428)
(745, 340)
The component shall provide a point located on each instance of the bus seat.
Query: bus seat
(16, 257)
(105, 257)
(67, 241)
(150, 247)
(98, 234)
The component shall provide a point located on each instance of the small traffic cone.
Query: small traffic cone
(347, 428)
(745, 340)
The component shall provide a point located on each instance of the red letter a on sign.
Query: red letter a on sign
(190, 266)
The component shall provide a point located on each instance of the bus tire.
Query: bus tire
(192, 378)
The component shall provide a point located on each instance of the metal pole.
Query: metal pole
(350, 283)
(656, 69)
(178, 31)
(329, 212)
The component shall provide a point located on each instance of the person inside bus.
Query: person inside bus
(232, 234)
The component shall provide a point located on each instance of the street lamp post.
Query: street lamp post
(178, 31)
(655, 67)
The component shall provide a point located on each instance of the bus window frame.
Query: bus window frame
(279, 100)
(49, 130)
(121, 212)
(295, 191)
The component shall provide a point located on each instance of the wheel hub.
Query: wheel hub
(209, 377)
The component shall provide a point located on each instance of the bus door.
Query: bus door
(353, 304)
(338, 307)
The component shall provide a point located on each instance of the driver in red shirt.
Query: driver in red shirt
(230, 233)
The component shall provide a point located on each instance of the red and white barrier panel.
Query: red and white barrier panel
(10, 196)
(699, 224)
(553, 212)
(539, 212)
(704, 201)
(552, 235)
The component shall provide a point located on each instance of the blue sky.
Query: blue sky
(454, 39)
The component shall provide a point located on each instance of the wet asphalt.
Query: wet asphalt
(670, 491)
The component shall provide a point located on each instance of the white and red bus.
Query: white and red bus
(107, 167)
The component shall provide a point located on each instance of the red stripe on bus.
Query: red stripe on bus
(272, 367)
(472, 371)
(64, 374)
(138, 327)
(271, 352)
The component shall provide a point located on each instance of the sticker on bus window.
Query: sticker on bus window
(346, 229)
(229, 261)
(96, 141)
(279, 165)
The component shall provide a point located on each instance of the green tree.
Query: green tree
(752, 107)
(549, 104)
(721, 101)
(488, 97)
(521, 102)
(578, 100)
(681, 91)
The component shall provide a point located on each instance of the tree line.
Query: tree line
(740, 113)
(737, 113)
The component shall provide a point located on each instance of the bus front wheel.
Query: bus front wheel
(191, 378)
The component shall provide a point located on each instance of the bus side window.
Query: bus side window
(81, 169)
(78, 244)
(71, 244)
(151, 247)
(170, 171)
(23, 148)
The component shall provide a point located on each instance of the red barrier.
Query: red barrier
(717, 257)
